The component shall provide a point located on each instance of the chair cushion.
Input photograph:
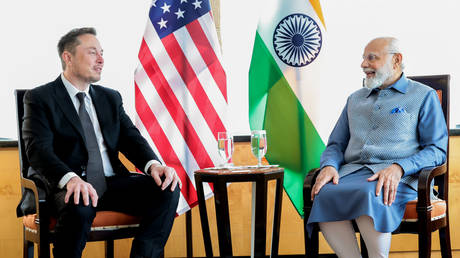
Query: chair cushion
(105, 220)
(439, 210)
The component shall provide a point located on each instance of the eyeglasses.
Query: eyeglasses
(371, 58)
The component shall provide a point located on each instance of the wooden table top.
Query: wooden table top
(240, 170)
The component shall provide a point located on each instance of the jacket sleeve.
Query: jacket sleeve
(38, 138)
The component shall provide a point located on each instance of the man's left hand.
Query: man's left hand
(164, 176)
(388, 178)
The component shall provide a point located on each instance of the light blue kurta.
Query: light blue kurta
(354, 197)
(402, 124)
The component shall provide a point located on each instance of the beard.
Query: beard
(381, 75)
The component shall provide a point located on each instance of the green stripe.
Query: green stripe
(263, 74)
(293, 142)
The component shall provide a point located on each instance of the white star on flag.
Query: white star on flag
(165, 8)
(181, 91)
(154, 3)
(162, 23)
(179, 13)
(197, 4)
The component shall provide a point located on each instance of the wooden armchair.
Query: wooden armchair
(422, 216)
(38, 227)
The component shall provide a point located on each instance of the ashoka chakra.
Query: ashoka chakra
(297, 40)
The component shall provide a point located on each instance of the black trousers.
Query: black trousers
(134, 194)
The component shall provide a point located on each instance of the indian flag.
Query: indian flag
(285, 91)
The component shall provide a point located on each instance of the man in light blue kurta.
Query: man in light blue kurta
(387, 132)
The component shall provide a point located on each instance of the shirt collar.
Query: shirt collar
(71, 89)
(400, 85)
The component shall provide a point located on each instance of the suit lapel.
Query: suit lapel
(67, 107)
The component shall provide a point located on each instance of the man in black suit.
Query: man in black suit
(73, 132)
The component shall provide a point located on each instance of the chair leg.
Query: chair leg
(43, 249)
(28, 249)
(109, 252)
(188, 233)
(311, 243)
(305, 235)
(444, 239)
(43, 245)
(424, 232)
(364, 253)
(424, 244)
(27, 246)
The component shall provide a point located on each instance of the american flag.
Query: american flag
(181, 91)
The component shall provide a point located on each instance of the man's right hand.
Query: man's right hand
(326, 174)
(77, 186)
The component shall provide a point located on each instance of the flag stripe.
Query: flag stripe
(185, 99)
(182, 93)
(200, 68)
(209, 57)
(167, 124)
(144, 131)
(208, 27)
(196, 89)
(166, 149)
(289, 129)
(184, 206)
(317, 6)
(174, 108)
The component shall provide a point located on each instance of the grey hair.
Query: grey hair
(394, 47)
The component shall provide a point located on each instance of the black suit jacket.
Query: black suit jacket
(54, 139)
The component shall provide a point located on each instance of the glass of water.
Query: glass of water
(259, 145)
(225, 146)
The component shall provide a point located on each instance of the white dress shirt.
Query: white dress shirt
(73, 91)
(107, 166)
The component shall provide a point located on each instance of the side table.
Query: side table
(259, 177)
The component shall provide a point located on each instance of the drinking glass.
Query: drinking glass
(225, 146)
(259, 145)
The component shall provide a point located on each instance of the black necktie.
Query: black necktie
(94, 170)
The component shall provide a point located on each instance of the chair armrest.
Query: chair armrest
(308, 183)
(424, 183)
(29, 184)
(40, 203)
(41, 208)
